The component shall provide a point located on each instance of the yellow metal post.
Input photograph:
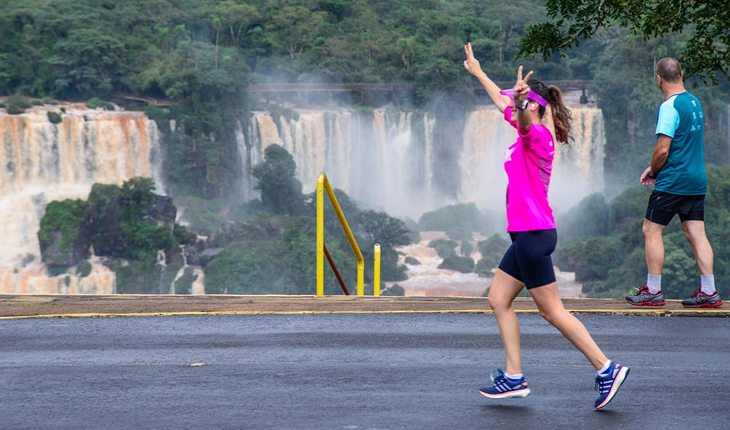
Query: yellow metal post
(348, 233)
(320, 235)
(376, 271)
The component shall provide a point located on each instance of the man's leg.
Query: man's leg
(706, 296)
(654, 246)
(651, 293)
(694, 231)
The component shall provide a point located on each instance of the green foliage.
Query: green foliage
(611, 264)
(466, 248)
(589, 218)
(276, 256)
(130, 224)
(705, 53)
(96, 102)
(245, 268)
(458, 263)
(281, 191)
(182, 235)
(17, 104)
(54, 117)
(485, 265)
(202, 55)
(274, 251)
(19, 101)
(209, 84)
(495, 245)
(393, 290)
(462, 217)
(64, 217)
(87, 62)
(379, 227)
(444, 247)
(83, 268)
(184, 285)
(492, 249)
(14, 110)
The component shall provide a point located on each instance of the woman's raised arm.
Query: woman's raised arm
(472, 65)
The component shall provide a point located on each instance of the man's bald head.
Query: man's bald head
(669, 69)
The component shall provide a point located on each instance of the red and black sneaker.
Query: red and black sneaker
(702, 300)
(643, 297)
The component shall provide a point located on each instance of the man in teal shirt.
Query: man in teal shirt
(678, 174)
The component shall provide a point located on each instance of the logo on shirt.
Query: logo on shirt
(508, 154)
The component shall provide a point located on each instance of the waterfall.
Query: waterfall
(577, 168)
(43, 162)
(377, 158)
(386, 159)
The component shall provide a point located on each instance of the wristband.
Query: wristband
(524, 105)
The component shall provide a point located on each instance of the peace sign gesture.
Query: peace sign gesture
(521, 89)
(471, 64)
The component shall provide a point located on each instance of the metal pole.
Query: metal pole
(337, 272)
(376, 271)
(320, 235)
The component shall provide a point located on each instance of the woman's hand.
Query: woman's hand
(471, 64)
(521, 88)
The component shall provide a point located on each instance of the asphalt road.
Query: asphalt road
(356, 371)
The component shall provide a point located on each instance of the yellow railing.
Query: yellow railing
(323, 186)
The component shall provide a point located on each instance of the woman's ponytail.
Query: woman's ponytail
(562, 116)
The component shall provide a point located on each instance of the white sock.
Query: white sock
(516, 376)
(707, 284)
(654, 283)
(604, 370)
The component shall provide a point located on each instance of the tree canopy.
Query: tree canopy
(706, 53)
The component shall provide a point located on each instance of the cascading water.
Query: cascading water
(386, 159)
(577, 168)
(376, 157)
(43, 162)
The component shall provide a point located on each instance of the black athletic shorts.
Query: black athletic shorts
(663, 206)
(528, 258)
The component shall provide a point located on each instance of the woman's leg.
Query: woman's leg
(551, 308)
(502, 293)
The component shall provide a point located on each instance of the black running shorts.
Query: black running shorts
(528, 258)
(663, 206)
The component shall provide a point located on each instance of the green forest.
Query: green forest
(204, 54)
(201, 56)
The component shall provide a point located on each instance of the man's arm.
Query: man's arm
(660, 154)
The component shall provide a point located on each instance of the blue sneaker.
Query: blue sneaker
(504, 387)
(608, 385)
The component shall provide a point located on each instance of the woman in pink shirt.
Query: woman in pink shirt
(538, 113)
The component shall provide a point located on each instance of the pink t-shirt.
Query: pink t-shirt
(529, 163)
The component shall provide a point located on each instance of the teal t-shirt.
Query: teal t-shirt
(681, 118)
